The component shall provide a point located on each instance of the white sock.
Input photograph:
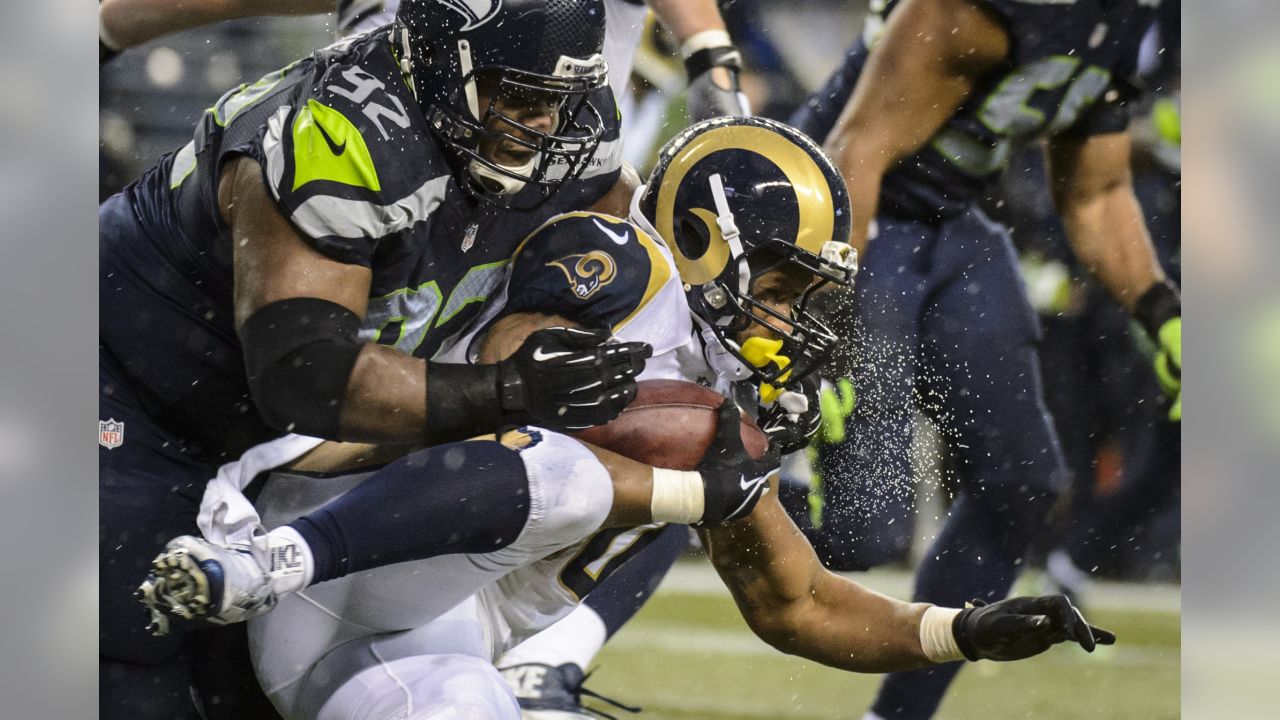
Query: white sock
(871, 716)
(576, 638)
(292, 566)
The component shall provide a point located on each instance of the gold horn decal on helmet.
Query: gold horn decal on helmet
(587, 272)
(813, 194)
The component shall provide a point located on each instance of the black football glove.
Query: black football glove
(732, 482)
(792, 431)
(706, 99)
(569, 379)
(1021, 627)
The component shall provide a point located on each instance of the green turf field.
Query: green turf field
(689, 655)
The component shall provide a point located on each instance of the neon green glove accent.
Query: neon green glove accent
(1169, 364)
(1166, 115)
(837, 405)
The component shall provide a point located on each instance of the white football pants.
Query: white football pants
(342, 646)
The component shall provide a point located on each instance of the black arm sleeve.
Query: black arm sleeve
(299, 354)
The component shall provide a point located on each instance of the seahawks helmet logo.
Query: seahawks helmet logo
(475, 12)
(587, 272)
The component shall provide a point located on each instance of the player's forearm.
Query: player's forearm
(1108, 235)
(130, 23)
(791, 602)
(849, 627)
(686, 18)
(923, 67)
(386, 398)
(863, 174)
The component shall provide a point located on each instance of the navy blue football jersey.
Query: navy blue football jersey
(1070, 70)
(348, 156)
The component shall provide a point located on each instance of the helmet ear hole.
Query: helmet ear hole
(692, 238)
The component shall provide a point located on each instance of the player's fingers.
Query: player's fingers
(728, 417)
(579, 338)
(1081, 631)
(627, 359)
(1068, 621)
(1101, 636)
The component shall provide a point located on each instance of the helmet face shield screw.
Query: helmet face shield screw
(715, 296)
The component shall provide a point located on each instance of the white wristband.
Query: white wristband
(678, 496)
(937, 638)
(703, 40)
(104, 35)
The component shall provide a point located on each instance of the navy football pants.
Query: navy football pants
(149, 492)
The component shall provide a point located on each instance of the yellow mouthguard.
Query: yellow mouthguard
(760, 352)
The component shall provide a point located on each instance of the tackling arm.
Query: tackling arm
(298, 314)
(919, 72)
(385, 399)
(128, 23)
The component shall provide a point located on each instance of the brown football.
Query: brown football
(670, 424)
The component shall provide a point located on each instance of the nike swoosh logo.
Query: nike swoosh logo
(746, 484)
(618, 238)
(539, 355)
(334, 148)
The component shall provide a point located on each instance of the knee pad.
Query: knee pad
(570, 491)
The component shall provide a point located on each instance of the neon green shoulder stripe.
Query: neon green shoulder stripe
(327, 146)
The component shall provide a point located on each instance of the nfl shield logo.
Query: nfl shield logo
(110, 433)
(469, 237)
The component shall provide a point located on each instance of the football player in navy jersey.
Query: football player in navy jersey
(925, 110)
(290, 269)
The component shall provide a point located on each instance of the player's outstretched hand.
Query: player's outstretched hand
(795, 417)
(733, 482)
(1021, 627)
(570, 379)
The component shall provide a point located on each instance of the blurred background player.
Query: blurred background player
(1123, 452)
(293, 266)
(926, 110)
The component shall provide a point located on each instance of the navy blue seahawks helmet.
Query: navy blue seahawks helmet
(540, 50)
(738, 197)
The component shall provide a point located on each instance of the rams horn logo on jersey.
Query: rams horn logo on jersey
(475, 12)
(587, 272)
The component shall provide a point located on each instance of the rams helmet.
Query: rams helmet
(738, 197)
(545, 49)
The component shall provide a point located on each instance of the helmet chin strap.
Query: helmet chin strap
(718, 357)
(506, 185)
(406, 58)
(729, 230)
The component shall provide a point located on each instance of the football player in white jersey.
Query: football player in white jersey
(711, 60)
(419, 638)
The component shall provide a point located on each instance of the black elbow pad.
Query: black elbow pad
(299, 354)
